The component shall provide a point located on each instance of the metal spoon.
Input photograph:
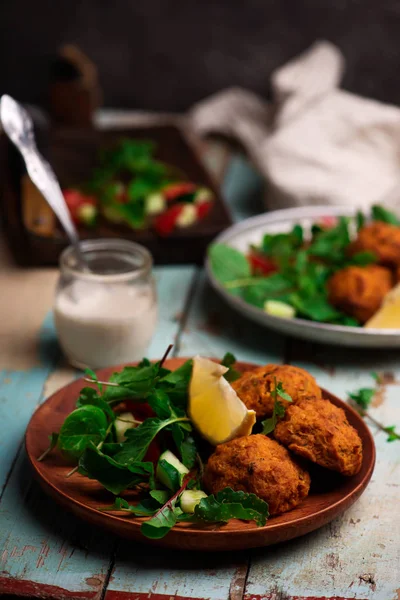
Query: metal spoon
(18, 125)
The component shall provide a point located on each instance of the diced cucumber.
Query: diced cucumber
(190, 499)
(203, 195)
(279, 309)
(112, 214)
(155, 204)
(188, 216)
(170, 471)
(123, 422)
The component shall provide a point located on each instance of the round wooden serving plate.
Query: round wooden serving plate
(330, 494)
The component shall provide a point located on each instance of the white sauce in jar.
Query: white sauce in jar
(100, 326)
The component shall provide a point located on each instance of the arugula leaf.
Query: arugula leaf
(143, 509)
(315, 307)
(176, 384)
(89, 396)
(133, 382)
(363, 258)
(273, 287)
(162, 522)
(279, 409)
(113, 475)
(332, 243)
(360, 220)
(392, 434)
(84, 426)
(53, 443)
(92, 375)
(363, 397)
(379, 213)
(229, 361)
(185, 444)
(188, 451)
(228, 504)
(160, 403)
(139, 439)
(228, 264)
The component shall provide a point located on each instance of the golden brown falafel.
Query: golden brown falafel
(359, 291)
(319, 431)
(258, 465)
(380, 238)
(254, 387)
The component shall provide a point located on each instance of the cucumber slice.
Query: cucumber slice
(123, 422)
(190, 499)
(279, 309)
(170, 471)
(155, 204)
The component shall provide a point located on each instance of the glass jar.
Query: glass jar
(105, 315)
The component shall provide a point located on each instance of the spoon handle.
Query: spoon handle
(42, 175)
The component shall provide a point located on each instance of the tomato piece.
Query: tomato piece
(153, 452)
(203, 209)
(261, 265)
(165, 223)
(174, 190)
(75, 201)
(328, 222)
(140, 410)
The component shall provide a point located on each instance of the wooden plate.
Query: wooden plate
(331, 494)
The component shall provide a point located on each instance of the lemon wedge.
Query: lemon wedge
(388, 316)
(214, 407)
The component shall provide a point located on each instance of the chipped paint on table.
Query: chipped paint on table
(47, 553)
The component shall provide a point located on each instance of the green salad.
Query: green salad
(287, 273)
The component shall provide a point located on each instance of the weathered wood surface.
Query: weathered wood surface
(47, 553)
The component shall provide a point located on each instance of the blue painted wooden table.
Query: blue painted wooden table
(46, 553)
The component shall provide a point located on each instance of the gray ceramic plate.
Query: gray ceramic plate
(251, 231)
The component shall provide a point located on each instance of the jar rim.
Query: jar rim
(69, 263)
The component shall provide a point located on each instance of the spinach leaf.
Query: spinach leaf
(363, 258)
(53, 443)
(228, 264)
(89, 396)
(84, 426)
(162, 522)
(382, 214)
(113, 475)
(228, 504)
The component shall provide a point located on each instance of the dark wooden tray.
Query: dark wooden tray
(73, 153)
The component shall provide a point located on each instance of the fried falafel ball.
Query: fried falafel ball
(258, 465)
(254, 387)
(380, 238)
(359, 291)
(319, 431)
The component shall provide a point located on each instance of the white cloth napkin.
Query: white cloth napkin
(315, 143)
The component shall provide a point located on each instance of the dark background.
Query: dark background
(168, 54)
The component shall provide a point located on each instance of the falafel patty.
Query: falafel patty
(383, 239)
(254, 387)
(319, 431)
(359, 291)
(258, 465)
